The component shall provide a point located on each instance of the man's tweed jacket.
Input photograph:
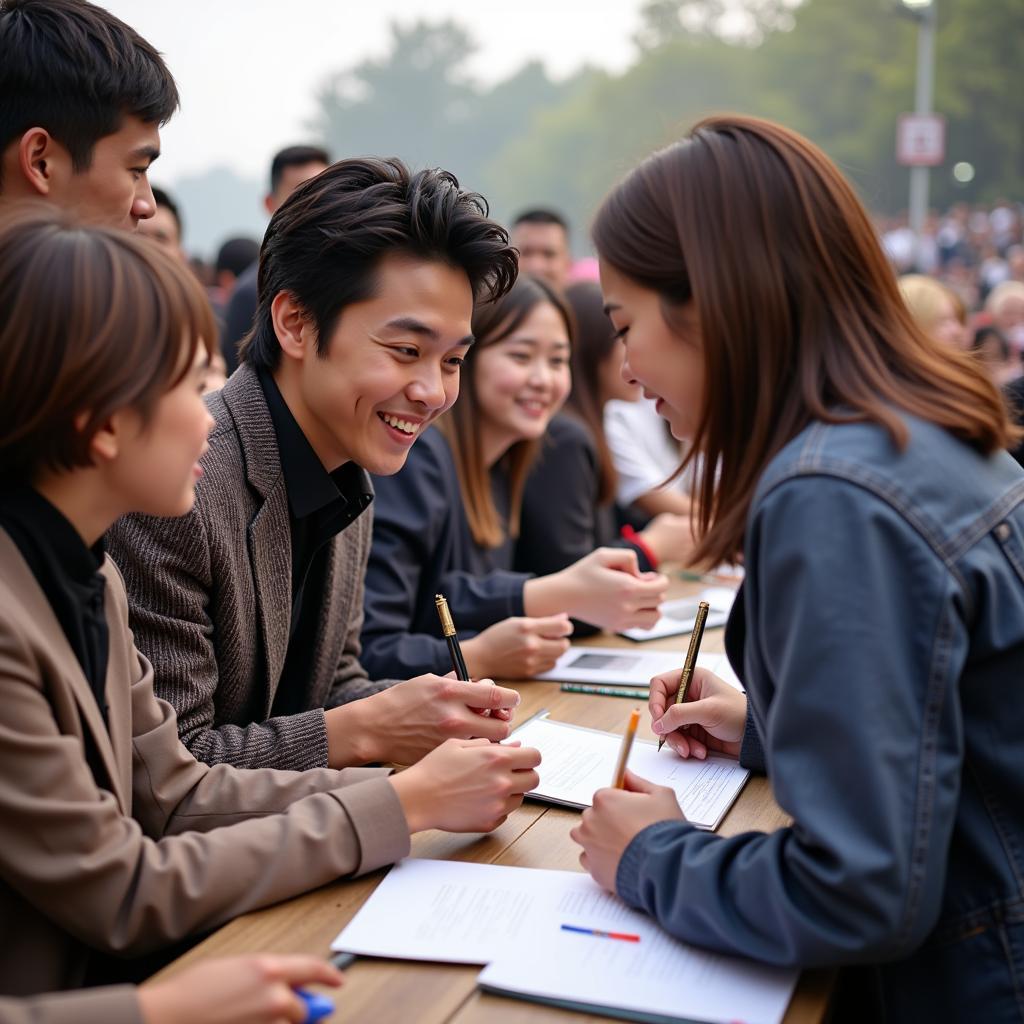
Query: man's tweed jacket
(210, 597)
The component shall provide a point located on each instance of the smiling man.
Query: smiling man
(82, 99)
(251, 606)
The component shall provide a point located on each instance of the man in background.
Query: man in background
(165, 227)
(289, 169)
(542, 238)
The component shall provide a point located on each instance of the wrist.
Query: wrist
(548, 595)
(415, 803)
(351, 739)
(648, 542)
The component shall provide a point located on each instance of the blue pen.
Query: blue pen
(317, 1007)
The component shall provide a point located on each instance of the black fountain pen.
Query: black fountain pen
(448, 628)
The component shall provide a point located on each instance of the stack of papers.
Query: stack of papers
(537, 932)
(576, 762)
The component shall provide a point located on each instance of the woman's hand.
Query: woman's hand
(240, 990)
(712, 717)
(618, 815)
(605, 588)
(518, 648)
(466, 785)
(670, 538)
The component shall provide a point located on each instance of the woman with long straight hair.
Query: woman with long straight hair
(447, 522)
(858, 466)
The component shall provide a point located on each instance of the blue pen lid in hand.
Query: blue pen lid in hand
(317, 1007)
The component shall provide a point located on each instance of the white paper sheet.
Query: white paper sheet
(576, 762)
(656, 976)
(457, 912)
(511, 918)
(678, 616)
(628, 666)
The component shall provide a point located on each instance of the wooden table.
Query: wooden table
(537, 836)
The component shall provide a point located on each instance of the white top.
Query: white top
(644, 452)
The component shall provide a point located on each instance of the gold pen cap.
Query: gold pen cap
(447, 626)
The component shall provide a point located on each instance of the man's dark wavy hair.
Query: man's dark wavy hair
(324, 244)
(74, 69)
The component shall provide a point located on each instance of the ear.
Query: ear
(105, 445)
(268, 204)
(295, 334)
(42, 160)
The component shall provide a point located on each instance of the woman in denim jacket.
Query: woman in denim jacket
(858, 467)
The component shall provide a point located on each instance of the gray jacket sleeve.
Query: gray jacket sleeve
(855, 642)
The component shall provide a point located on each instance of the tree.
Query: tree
(411, 103)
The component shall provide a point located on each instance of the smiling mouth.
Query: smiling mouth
(533, 408)
(406, 427)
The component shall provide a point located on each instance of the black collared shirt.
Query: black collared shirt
(320, 506)
(68, 573)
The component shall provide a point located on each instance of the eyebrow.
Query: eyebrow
(611, 307)
(145, 151)
(410, 325)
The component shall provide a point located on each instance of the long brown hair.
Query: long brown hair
(493, 322)
(799, 312)
(93, 320)
(592, 345)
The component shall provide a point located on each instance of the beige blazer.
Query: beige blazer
(115, 1005)
(157, 846)
(210, 596)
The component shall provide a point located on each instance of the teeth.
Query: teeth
(403, 425)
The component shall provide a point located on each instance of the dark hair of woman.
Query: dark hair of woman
(493, 322)
(95, 320)
(593, 343)
(799, 312)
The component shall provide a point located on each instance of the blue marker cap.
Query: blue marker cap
(317, 1007)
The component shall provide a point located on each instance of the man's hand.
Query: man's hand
(618, 815)
(406, 721)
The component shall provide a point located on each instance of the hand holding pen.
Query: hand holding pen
(455, 653)
(690, 664)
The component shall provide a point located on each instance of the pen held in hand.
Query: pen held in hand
(627, 744)
(451, 638)
(691, 656)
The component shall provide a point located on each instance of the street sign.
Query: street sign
(921, 140)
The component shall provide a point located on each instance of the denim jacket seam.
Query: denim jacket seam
(926, 774)
(1010, 851)
(959, 543)
(992, 914)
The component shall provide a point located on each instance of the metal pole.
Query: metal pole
(922, 105)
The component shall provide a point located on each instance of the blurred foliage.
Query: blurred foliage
(840, 71)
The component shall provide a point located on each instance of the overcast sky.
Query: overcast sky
(248, 69)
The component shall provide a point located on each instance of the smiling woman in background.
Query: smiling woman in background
(447, 522)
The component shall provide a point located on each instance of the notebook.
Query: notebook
(656, 979)
(576, 762)
(512, 919)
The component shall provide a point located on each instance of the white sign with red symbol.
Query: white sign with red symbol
(921, 140)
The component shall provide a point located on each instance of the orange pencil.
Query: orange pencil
(627, 744)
